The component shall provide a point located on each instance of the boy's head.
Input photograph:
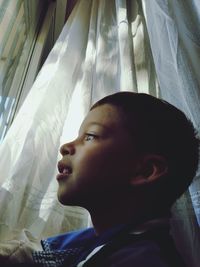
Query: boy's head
(130, 146)
(159, 128)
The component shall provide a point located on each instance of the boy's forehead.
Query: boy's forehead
(105, 115)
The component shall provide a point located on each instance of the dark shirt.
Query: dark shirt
(120, 247)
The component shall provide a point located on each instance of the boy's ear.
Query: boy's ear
(150, 168)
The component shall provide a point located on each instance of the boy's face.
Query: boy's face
(99, 162)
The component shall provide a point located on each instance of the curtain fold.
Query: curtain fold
(96, 54)
(174, 32)
(103, 48)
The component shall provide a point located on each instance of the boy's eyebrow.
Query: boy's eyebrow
(100, 124)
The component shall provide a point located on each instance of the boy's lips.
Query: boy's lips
(64, 170)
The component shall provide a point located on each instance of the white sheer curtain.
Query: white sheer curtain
(174, 32)
(102, 49)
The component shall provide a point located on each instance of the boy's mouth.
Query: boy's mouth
(64, 170)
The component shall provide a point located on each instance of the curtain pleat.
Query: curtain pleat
(103, 48)
(174, 32)
(95, 55)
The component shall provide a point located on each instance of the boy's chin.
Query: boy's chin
(67, 200)
(62, 199)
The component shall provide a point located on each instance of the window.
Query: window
(21, 21)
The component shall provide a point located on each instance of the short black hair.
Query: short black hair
(160, 128)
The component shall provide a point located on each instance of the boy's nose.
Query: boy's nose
(67, 148)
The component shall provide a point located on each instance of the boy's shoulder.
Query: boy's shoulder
(72, 239)
(154, 247)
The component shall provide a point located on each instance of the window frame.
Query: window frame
(47, 29)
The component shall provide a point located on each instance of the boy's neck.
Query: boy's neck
(104, 219)
(102, 226)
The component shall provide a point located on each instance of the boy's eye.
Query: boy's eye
(89, 137)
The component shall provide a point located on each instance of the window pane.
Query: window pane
(19, 24)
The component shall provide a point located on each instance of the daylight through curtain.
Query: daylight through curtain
(174, 32)
(101, 50)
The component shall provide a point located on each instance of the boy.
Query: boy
(133, 157)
